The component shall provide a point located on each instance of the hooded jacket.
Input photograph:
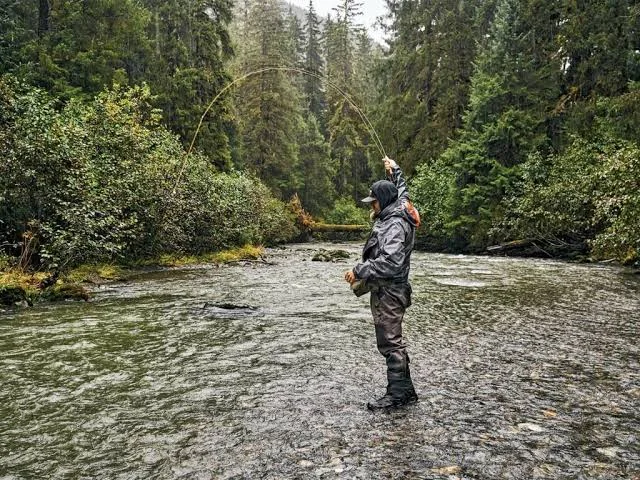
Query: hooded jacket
(387, 252)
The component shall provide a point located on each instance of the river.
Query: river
(526, 369)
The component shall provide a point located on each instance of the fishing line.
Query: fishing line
(331, 84)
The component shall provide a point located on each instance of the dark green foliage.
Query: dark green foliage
(431, 192)
(317, 193)
(269, 108)
(349, 138)
(599, 43)
(77, 48)
(520, 118)
(101, 181)
(425, 76)
(190, 44)
(511, 94)
(313, 87)
(344, 212)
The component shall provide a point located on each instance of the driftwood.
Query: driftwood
(519, 247)
(325, 227)
(510, 246)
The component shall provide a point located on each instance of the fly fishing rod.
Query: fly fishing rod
(361, 114)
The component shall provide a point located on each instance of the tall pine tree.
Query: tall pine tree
(513, 91)
(347, 132)
(425, 76)
(268, 104)
(191, 43)
(313, 62)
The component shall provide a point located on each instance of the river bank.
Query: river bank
(24, 289)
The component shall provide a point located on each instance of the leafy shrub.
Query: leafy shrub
(586, 197)
(617, 203)
(554, 199)
(431, 191)
(105, 180)
(345, 212)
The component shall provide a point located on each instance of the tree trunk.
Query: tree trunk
(44, 17)
(157, 25)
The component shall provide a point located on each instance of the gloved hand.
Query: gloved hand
(389, 165)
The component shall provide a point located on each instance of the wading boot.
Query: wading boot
(410, 392)
(400, 392)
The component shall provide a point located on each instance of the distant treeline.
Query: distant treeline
(516, 119)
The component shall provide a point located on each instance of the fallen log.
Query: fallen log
(326, 227)
(509, 246)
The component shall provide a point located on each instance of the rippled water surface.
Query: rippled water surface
(526, 369)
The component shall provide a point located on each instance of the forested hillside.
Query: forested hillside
(517, 120)
(522, 121)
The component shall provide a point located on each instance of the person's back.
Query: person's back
(385, 268)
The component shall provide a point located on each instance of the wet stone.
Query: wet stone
(330, 255)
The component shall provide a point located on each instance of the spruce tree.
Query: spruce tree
(347, 132)
(268, 104)
(317, 193)
(425, 75)
(313, 87)
(191, 43)
(75, 48)
(513, 91)
(598, 42)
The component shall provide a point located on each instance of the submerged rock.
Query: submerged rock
(330, 255)
(66, 291)
(228, 306)
(12, 295)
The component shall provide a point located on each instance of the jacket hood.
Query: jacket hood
(385, 193)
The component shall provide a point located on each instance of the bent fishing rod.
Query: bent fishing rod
(302, 71)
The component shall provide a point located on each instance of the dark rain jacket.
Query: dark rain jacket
(387, 252)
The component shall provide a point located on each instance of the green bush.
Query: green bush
(431, 191)
(586, 197)
(554, 198)
(617, 206)
(345, 212)
(105, 181)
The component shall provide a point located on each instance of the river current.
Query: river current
(525, 369)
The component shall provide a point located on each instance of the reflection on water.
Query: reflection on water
(526, 369)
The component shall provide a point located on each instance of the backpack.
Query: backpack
(412, 212)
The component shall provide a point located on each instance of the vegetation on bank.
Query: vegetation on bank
(26, 288)
(529, 130)
(106, 182)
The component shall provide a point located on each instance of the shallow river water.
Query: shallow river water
(526, 369)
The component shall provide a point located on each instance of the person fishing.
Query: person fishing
(384, 271)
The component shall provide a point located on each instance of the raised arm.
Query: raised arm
(395, 175)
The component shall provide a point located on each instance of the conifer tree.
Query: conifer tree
(425, 76)
(295, 40)
(191, 43)
(313, 62)
(599, 42)
(317, 192)
(75, 48)
(268, 104)
(513, 90)
(348, 134)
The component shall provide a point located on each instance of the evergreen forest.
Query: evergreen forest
(517, 122)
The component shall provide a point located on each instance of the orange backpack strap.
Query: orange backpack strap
(413, 212)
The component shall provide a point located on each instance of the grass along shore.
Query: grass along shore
(21, 288)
